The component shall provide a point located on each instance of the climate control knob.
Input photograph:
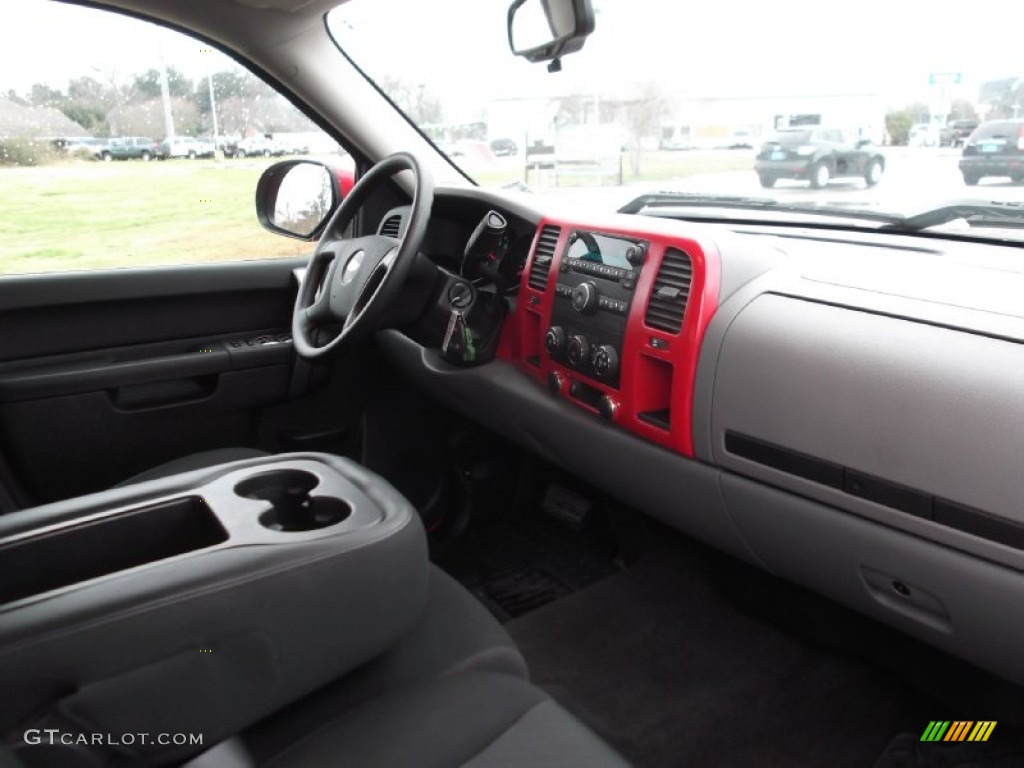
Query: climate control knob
(579, 349)
(605, 361)
(585, 298)
(554, 342)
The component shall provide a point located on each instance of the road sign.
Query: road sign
(944, 78)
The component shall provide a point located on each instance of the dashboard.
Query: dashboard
(835, 407)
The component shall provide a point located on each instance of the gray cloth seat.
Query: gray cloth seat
(473, 719)
(455, 634)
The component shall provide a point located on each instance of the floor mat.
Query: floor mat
(668, 671)
(518, 565)
(518, 592)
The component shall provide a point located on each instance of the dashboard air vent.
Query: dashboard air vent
(392, 225)
(671, 290)
(542, 257)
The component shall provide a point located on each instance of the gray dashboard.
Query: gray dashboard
(858, 427)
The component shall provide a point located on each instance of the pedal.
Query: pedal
(567, 506)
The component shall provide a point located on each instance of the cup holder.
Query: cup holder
(292, 506)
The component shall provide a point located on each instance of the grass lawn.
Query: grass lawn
(87, 215)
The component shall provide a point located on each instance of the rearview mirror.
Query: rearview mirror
(546, 30)
(297, 197)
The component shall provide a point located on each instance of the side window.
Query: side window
(93, 174)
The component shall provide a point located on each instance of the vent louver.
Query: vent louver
(671, 290)
(392, 225)
(541, 265)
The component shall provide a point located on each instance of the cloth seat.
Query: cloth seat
(472, 719)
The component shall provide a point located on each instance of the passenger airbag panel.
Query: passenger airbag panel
(906, 411)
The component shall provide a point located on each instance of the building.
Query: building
(23, 122)
(733, 121)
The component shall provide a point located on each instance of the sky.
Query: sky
(458, 48)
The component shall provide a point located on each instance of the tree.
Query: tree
(899, 121)
(91, 92)
(961, 109)
(897, 125)
(421, 106)
(42, 95)
(643, 119)
(93, 119)
(147, 84)
(88, 103)
(229, 84)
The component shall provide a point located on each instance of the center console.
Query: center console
(597, 279)
(610, 317)
(203, 601)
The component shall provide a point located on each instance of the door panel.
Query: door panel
(105, 374)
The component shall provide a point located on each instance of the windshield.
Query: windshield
(779, 100)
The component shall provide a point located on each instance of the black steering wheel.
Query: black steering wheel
(351, 281)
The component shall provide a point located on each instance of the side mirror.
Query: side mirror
(861, 143)
(546, 30)
(296, 198)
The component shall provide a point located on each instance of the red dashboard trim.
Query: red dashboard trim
(652, 378)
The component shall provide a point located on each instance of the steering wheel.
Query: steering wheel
(351, 281)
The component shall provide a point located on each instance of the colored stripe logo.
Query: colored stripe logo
(958, 730)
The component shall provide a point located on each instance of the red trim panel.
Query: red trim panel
(657, 368)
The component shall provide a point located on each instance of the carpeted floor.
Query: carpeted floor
(662, 664)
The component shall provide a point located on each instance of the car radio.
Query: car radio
(593, 294)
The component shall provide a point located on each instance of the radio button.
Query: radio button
(579, 349)
(554, 342)
(605, 361)
(585, 298)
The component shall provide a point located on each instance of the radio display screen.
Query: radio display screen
(599, 249)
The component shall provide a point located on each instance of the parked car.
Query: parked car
(961, 130)
(186, 146)
(256, 146)
(131, 148)
(87, 146)
(817, 155)
(995, 148)
(504, 148)
(289, 144)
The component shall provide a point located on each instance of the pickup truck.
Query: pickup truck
(131, 147)
(186, 146)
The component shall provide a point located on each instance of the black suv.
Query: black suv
(996, 148)
(817, 155)
(960, 130)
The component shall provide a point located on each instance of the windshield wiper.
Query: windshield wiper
(994, 213)
(745, 203)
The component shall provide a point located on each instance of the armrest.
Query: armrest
(204, 601)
